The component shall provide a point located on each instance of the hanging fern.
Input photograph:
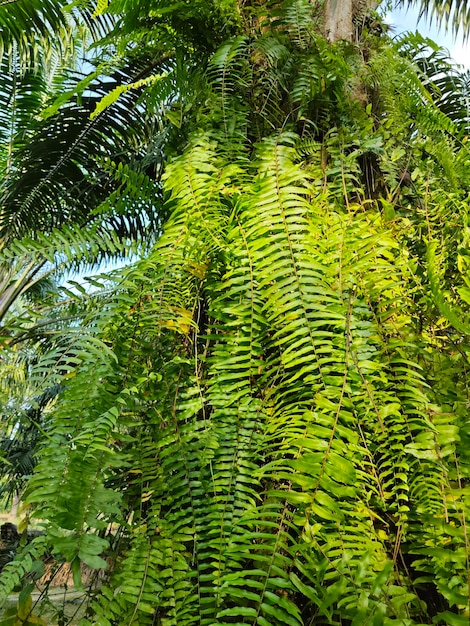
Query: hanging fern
(263, 421)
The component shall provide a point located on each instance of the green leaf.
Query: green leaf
(451, 619)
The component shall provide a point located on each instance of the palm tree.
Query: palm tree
(62, 173)
(272, 406)
(64, 178)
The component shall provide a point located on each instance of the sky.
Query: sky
(402, 19)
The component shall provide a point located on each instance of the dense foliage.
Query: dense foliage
(264, 419)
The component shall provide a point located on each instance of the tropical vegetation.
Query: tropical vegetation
(263, 417)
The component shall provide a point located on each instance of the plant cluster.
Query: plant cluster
(264, 419)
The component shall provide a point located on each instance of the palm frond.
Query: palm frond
(36, 30)
(448, 85)
(56, 176)
(450, 13)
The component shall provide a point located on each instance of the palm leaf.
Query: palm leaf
(56, 176)
(454, 13)
(34, 30)
(448, 85)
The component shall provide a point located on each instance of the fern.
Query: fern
(266, 422)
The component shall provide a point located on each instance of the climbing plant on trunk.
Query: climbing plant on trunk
(272, 407)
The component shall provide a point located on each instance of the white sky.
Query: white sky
(403, 19)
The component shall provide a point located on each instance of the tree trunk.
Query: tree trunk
(340, 14)
(339, 19)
